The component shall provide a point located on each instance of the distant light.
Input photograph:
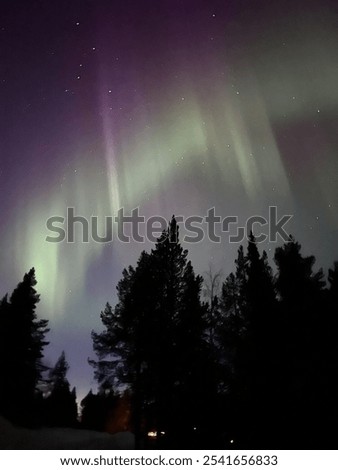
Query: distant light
(195, 429)
(232, 441)
(162, 433)
(152, 434)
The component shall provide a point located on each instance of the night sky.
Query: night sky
(170, 106)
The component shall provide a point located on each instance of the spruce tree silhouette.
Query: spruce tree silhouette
(95, 409)
(302, 370)
(231, 334)
(23, 342)
(195, 388)
(258, 360)
(106, 411)
(126, 348)
(60, 405)
(247, 337)
(92, 416)
(329, 385)
(212, 286)
(6, 367)
(156, 327)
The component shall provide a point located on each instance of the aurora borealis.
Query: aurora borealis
(170, 106)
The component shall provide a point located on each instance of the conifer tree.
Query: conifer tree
(304, 345)
(156, 327)
(23, 340)
(61, 404)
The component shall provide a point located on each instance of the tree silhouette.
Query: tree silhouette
(302, 368)
(106, 410)
(94, 410)
(60, 405)
(124, 348)
(22, 336)
(247, 331)
(212, 283)
(157, 326)
(333, 286)
(256, 362)
(195, 388)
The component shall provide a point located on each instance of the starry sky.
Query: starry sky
(170, 106)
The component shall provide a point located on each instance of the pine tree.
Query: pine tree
(6, 371)
(61, 407)
(258, 355)
(302, 376)
(23, 342)
(329, 347)
(106, 411)
(150, 327)
(247, 329)
(127, 345)
(194, 387)
(231, 327)
(212, 284)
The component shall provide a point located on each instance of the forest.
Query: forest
(183, 362)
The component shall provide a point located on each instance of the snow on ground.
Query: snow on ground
(12, 437)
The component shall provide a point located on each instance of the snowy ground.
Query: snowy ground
(12, 437)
